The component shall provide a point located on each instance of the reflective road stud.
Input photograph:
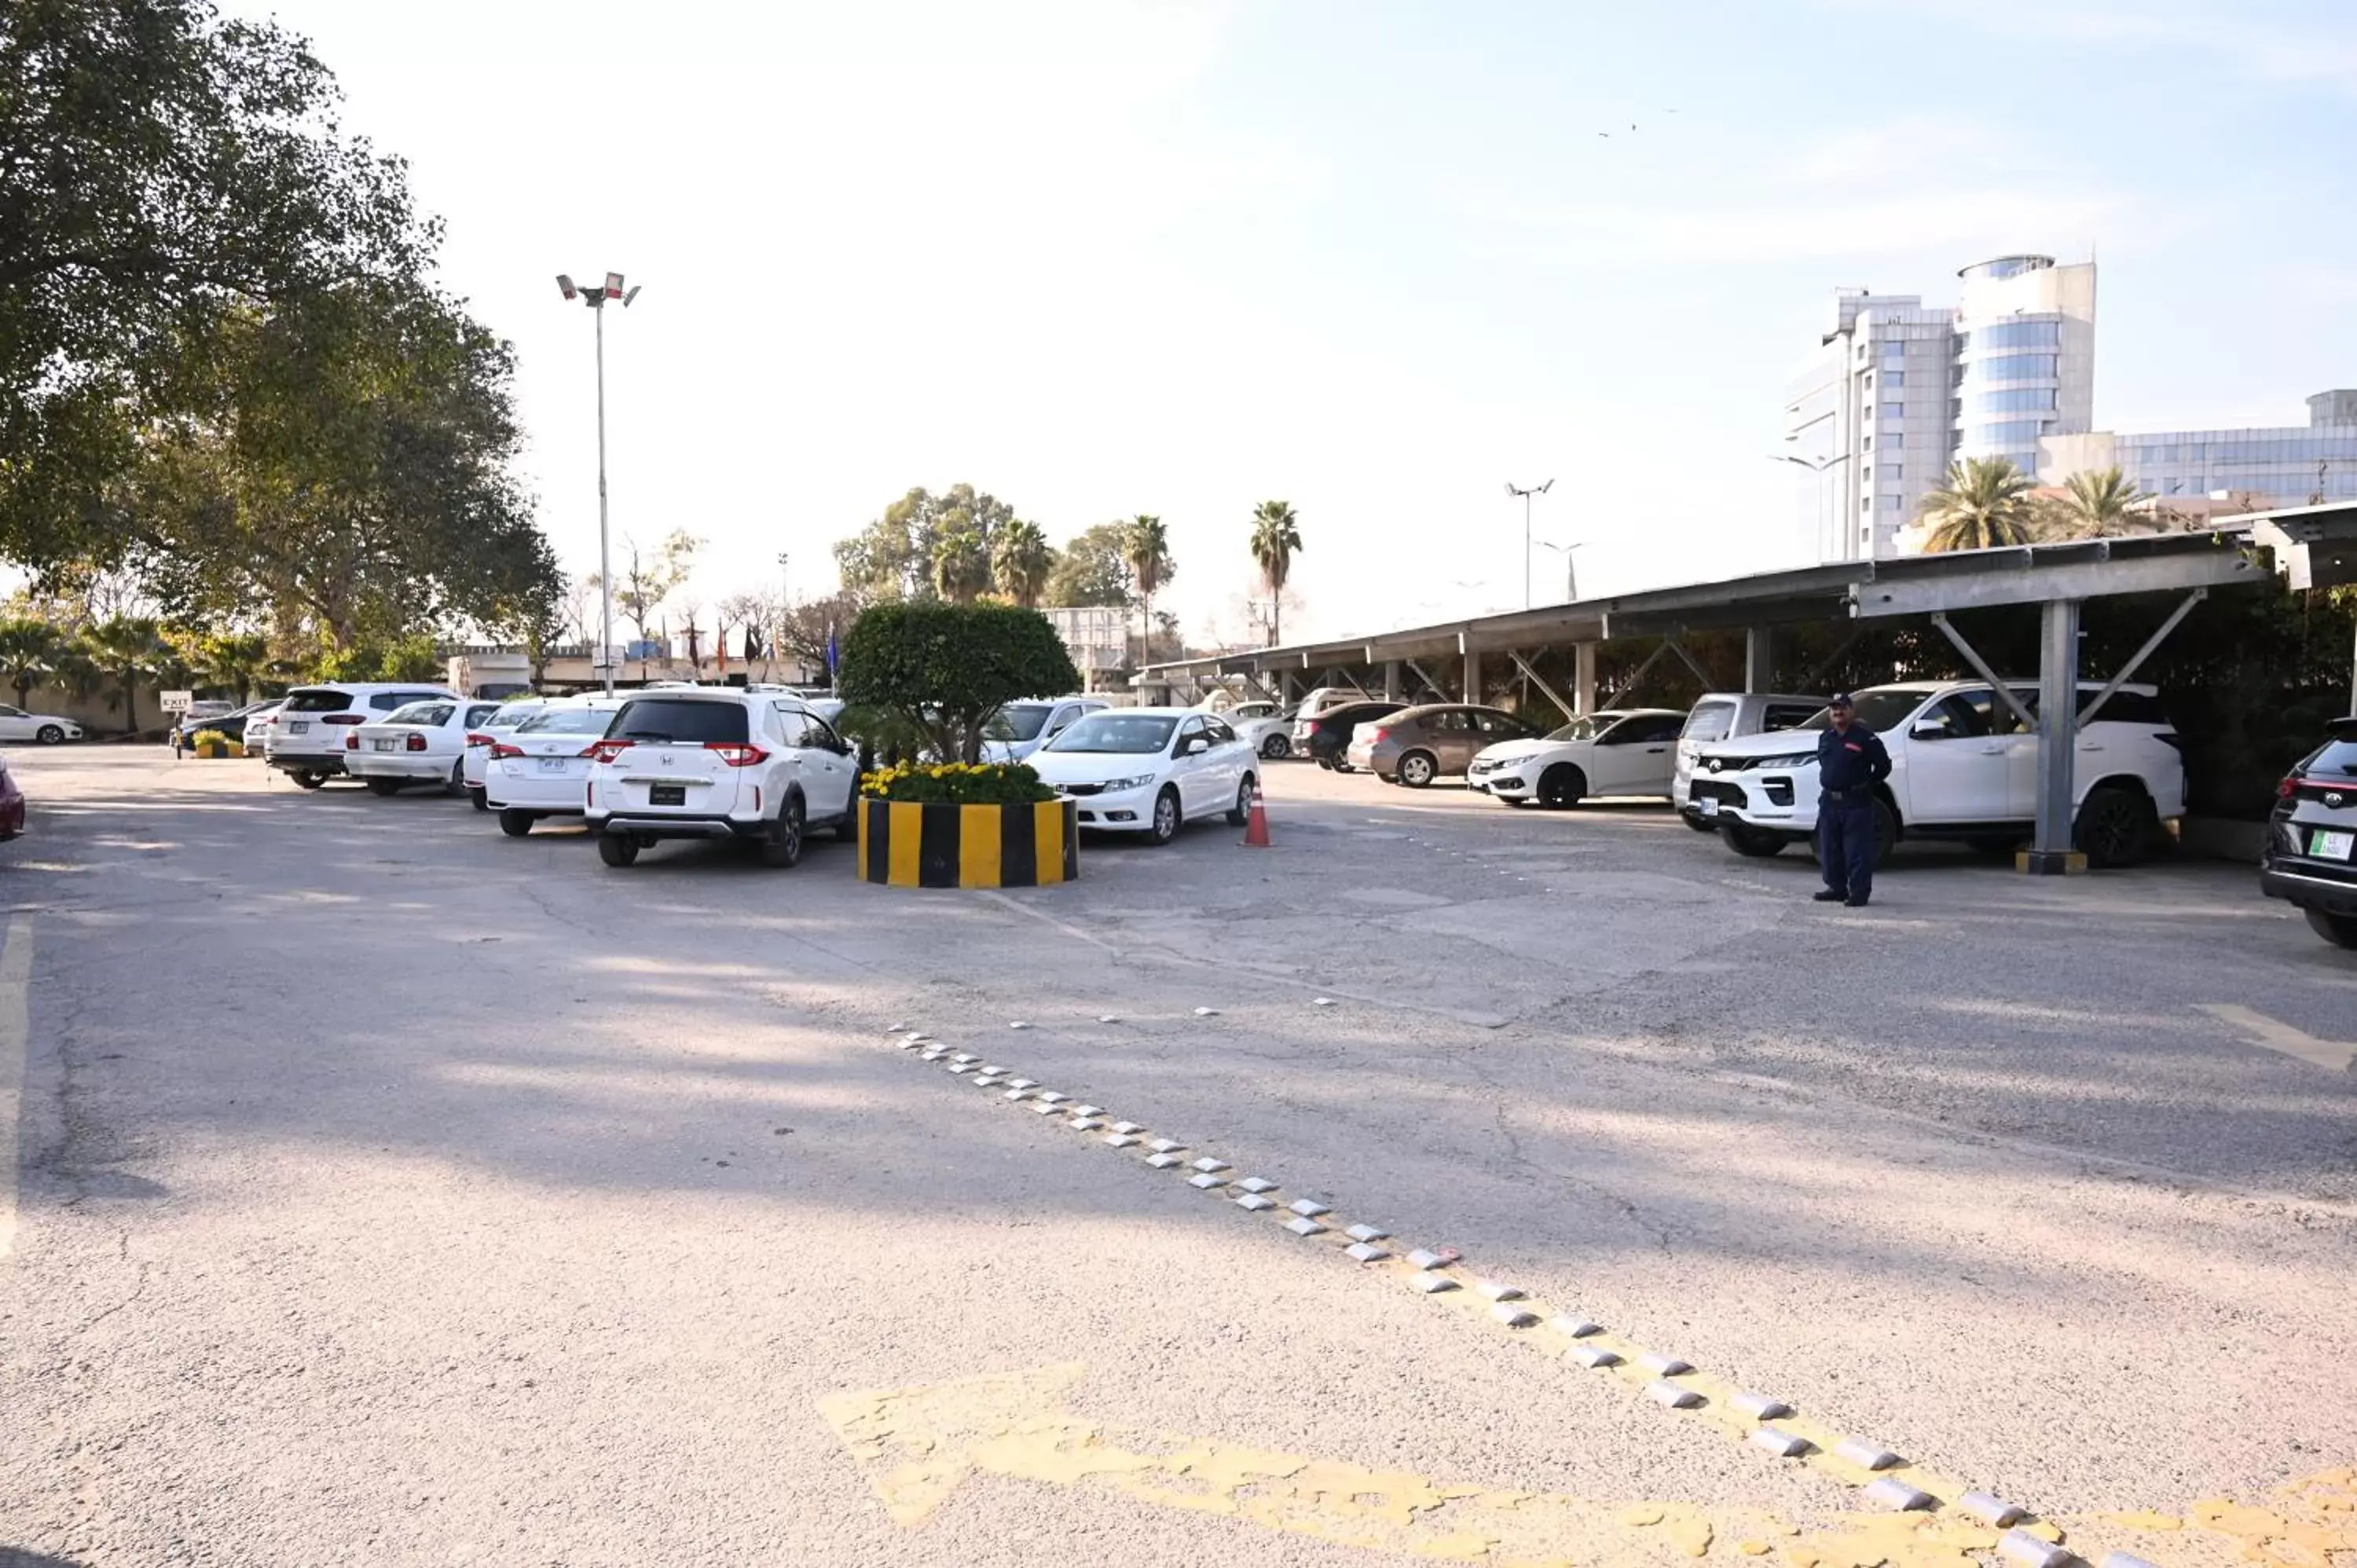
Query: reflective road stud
(1305, 1226)
(1432, 1285)
(1864, 1455)
(2021, 1546)
(1207, 1164)
(1159, 1162)
(1672, 1395)
(1497, 1292)
(1257, 1184)
(1991, 1510)
(1120, 1140)
(1778, 1442)
(1368, 1233)
(1514, 1316)
(1309, 1208)
(1593, 1356)
(1207, 1181)
(1890, 1492)
(1571, 1323)
(1663, 1366)
(1425, 1258)
(1165, 1145)
(1760, 1407)
(1132, 1127)
(1365, 1252)
(1255, 1202)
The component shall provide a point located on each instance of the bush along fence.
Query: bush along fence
(962, 824)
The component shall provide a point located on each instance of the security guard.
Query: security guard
(1850, 762)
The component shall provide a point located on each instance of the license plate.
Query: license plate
(387, 745)
(552, 764)
(299, 726)
(667, 795)
(2327, 845)
(1707, 806)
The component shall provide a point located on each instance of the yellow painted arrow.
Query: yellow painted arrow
(919, 1444)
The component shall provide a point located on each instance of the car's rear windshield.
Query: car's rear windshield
(684, 720)
(1136, 735)
(1018, 721)
(432, 715)
(318, 702)
(567, 721)
(2339, 756)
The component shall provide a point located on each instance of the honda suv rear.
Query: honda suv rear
(2310, 860)
(307, 740)
(715, 763)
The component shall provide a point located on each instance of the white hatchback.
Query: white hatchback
(1148, 770)
(425, 743)
(541, 769)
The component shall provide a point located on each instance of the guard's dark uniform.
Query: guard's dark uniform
(1850, 763)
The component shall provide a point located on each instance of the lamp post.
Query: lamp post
(1515, 489)
(1570, 578)
(785, 608)
(595, 298)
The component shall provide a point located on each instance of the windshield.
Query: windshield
(1577, 729)
(1882, 712)
(1135, 735)
(1018, 721)
(567, 721)
(433, 716)
(684, 720)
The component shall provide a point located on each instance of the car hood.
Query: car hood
(1094, 766)
(1777, 744)
(1511, 750)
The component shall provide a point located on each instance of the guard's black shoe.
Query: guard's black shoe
(1827, 895)
(1855, 903)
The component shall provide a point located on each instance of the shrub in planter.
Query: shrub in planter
(210, 743)
(957, 784)
(943, 669)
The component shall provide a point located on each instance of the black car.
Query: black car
(1328, 736)
(2311, 854)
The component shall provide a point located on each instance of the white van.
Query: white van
(307, 742)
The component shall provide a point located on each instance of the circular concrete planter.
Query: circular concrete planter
(910, 844)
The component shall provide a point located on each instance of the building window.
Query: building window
(1894, 378)
(1869, 442)
(1894, 411)
(2015, 368)
(2017, 335)
(1894, 473)
(1866, 503)
(1892, 503)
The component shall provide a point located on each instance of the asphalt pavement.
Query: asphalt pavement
(389, 1191)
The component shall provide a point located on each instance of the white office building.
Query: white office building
(1896, 390)
(2200, 472)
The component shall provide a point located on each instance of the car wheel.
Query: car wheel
(1750, 842)
(384, 786)
(482, 797)
(1561, 787)
(1697, 824)
(456, 783)
(2114, 828)
(1418, 769)
(514, 824)
(1276, 746)
(2340, 931)
(1165, 817)
(50, 735)
(308, 780)
(617, 849)
(783, 847)
(1241, 812)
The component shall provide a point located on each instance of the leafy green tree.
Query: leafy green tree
(1984, 506)
(960, 566)
(944, 670)
(650, 577)
(162, 171)
(2101, 504)
(1276, 537)
(129, 652)
(1020, 561)
(892, 558)
(30, 649)
(1092, 569)
(1146, 546)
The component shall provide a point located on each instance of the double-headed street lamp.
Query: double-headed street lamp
(595, 298)
(1515, 489)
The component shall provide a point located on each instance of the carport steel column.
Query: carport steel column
(2058, 737)
(1583, 677)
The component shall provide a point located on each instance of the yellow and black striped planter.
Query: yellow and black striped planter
(908, 844)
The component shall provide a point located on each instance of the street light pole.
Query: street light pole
(1514, 489)
(1819, 469)
(1570, 578)
(785, 607)
(595, 298)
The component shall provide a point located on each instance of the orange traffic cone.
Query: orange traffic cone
(1256, 824)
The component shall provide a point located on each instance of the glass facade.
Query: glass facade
(2286, 466)
(2013, 400)
(2013, 368)
(2030, 334)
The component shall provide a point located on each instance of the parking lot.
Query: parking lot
(396, 1192)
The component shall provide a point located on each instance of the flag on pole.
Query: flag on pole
(833, 656)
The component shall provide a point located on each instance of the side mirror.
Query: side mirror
(1194, 745)
(1928, 729)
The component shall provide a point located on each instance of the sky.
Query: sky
(1378, 259)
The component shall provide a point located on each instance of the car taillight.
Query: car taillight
(736, 754)
(415, 743)
(502, 750)
(606, 750)
(1380, 735)
(351, 743)
(478, 739)
(2288, 787)
(344, 719)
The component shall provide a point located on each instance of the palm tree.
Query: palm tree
(1276, 534)
(126, 650)
(1020, 560)
(29, 652)
(960, 566)
(1983, 507)
(2101, 505)
(1146, 546)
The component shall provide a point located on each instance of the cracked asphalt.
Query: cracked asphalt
(392, 1192)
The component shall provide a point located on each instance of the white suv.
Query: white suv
(712, 762)
(1961, 766)
(307, 740)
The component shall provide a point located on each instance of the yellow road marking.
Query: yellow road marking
(15, 977)
(919, 1444)
(2333, 1056)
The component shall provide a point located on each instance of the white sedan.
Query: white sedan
(15, 724)
(1148, 770)
(424, 743)
(541, 769)
(1266, 728)
(492, 730)
(1620, 751)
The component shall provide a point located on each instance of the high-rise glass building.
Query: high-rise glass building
(2239, 469)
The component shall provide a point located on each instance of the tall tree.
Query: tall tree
(162, 172)
(960, 565)
(1092, 569)
(2101, 504)
(30, 649)
(1020, 560)
(1146, 547)
(892, 557)
(1275, 536)
(650, 577)
(1983, 506)
(127, 651)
